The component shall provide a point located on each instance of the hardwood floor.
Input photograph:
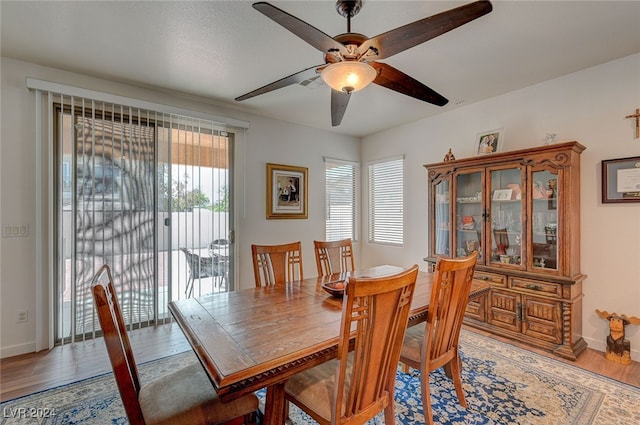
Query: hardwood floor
(29, 373)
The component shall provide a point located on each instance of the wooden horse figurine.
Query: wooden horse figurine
(618, 348)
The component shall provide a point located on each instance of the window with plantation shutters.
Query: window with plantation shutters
(342, 194)
(386, 195)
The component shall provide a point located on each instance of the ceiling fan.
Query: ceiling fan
(351, 58)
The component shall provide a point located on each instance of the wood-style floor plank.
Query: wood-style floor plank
(29, 373)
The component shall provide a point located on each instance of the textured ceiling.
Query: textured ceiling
(222, 49)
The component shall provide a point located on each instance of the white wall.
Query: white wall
(289, 144)
(588, 106)
(265, 141)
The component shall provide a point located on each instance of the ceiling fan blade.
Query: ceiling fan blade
(308, 33)
(402, 38)
(339, 102)
(397, 80)
(296, 78)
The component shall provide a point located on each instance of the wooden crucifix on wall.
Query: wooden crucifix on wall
(637, 117)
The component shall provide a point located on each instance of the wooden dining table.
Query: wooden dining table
(259, 337)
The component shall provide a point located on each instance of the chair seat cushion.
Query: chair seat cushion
(314, 387)
(413, 342)
(188, 397)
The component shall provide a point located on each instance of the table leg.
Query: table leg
(274, 405)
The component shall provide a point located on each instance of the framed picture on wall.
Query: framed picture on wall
(489, 142)
(286, 191)
(621, 180)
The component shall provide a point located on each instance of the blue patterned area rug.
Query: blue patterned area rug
(504, 385)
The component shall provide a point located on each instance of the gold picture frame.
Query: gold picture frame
(286, 191)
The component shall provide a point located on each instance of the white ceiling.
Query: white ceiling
(222, 49)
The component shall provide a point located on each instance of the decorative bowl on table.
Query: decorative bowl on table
(335, 288)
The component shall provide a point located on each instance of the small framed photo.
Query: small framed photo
(621, 180)
(489, 142)
(286, 191)
(502, 194)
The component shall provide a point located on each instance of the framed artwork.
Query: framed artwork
(621, 180)
(489, 142)
(286, 191)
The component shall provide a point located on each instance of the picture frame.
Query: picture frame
(621, 180)
(502, 194)
(286, 192)
(488, 142)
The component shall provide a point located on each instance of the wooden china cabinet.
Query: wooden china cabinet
(521, 211)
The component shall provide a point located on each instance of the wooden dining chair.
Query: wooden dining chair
(183, 396)
(276, 264)
(357, 385)
(334, 257)
(434, 344)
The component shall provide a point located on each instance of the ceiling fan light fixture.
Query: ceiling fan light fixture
(348, 76)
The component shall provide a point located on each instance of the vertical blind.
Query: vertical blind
(106, 182)
(131, 186)
(342, 194)
(386, 194)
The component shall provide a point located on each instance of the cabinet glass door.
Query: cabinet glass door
(441, 222)
(544, 220)
(506, 217)
(469, 215)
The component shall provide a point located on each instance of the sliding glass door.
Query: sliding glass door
(148, 194)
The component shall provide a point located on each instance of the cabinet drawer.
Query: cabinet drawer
(495, 279)
(537, 287)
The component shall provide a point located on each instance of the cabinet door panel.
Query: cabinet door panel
(476, 309)
(545, 197)
(504, 310)
(469, 214)
(542, 319)
(506, 216)
(441, 239)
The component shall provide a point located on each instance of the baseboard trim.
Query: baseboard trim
(16, 350)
